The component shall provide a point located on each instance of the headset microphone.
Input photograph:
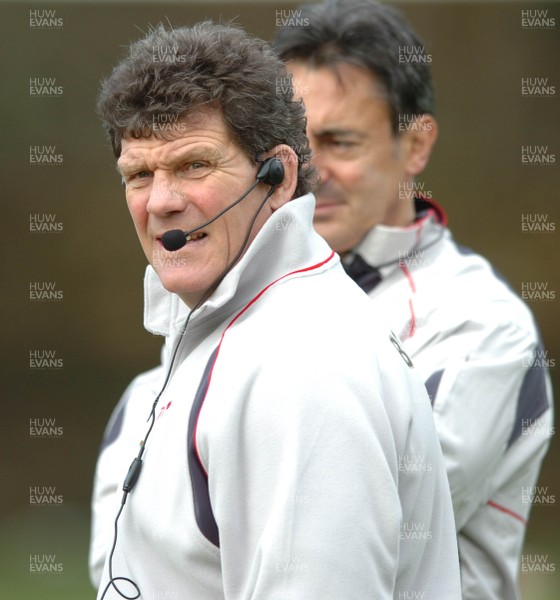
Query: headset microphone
(271, 173)
(174, 239)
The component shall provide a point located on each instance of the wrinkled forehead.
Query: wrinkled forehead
(200, 136)
(170, 124)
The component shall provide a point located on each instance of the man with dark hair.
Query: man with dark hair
(364, 77)
(270, 464)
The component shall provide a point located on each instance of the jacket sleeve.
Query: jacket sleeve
(488, 383)
(303, 478)
(118, 447)
(105, 490)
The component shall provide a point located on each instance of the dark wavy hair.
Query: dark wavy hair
(369, 35)
(175, 72)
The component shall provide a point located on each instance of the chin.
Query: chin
(177, 281)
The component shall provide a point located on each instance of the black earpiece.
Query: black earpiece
(271, 172)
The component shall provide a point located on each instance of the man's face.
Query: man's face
(182, 183)
(360, 162)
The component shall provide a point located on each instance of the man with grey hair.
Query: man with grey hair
(365, 79)
(270, 466)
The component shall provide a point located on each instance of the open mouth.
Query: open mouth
(193, 237)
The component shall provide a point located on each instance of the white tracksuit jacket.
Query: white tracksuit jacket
(477, 347)
(292, 433)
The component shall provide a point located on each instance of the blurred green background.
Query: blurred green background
(481, 52)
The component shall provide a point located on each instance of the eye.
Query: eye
(342, 144)
(136, 178)
(194, 169)
(195, 165)
(337, 144)
(141, 175)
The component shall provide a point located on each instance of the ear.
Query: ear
(284, 191)
(417, 143)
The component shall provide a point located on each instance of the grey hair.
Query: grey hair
(176, 72)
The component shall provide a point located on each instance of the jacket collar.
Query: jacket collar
(285, 242)
(384, 246)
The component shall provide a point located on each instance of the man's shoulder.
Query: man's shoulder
(325, 319)
(461, 284)
(327, 305)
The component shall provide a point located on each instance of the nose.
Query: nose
(166, 196)
(320, 162)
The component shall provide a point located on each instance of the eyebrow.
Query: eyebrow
(198, 152)
(129, 167)
(338, 132)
